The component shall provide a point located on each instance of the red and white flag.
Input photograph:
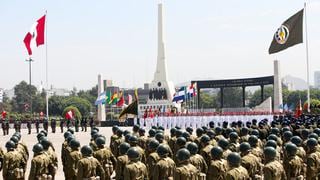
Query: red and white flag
(69, 115)
(35, 37)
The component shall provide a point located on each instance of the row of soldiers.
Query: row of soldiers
(45, 123)
(282, 150)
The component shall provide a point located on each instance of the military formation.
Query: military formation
(285, 148)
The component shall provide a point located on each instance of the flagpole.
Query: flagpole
(47, 84)
(30, 94)
(307, 55)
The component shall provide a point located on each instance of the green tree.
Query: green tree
(75, 110)
(82, 104)
(56, 105)
(232, 97)
(314, 106)
(256, 96)
(6, 104)
(208, 100)
(23, 92)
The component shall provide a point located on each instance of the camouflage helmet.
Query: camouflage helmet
(40, 135)
(296, 140)
(211, 134)
(123, 148)
(313, 135)
(66, 134)
(74, 144)
(136, 128)
(115, 128)
(71, 130)
(86, 150)
(159, 137)
(253, 140)
(234, 159)
(270, 152)
(271, 143)
(127, 137)
(152, 132)
(183, 154)
(244, 131)
(10, 145)
(186, 135)
(223, 143)
(305, 133)
(44, 132)
(37, 148)
(45, 143)
(189, 130)
(205, 139)
(233, 136)
(181, 141)
(179, 132)
(255, 132)
(287, 135)
(17, 134)
(317, 131)
(163, 150)
(133, 153)
(244, 147)
(199, 132)
(216, 152)
(153, 144)
(193, 148)
(119, 133)
(100, 141)
(311, 143)
(274, 131)
(173, 131)
(218, 130)
(291, 149)
(14, 139)
(142, 131)
(125, 132)
(133, 140)
(273, 137)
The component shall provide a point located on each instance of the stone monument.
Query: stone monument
(277, 88)
(101, 107)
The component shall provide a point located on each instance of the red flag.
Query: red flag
(120, 103)
(4, 114)
(69, 115)
(298, 110)
(35, 37)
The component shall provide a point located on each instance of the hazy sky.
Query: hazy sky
(204, 39)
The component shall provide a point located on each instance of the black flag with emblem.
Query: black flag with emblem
(288, 34)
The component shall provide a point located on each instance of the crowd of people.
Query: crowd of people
(285, 148)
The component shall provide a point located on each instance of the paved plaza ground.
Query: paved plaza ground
(57, 139)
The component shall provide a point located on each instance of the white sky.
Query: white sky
(204, 39)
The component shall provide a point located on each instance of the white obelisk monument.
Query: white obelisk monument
(277, 88)
(160, 79)
(101, 107)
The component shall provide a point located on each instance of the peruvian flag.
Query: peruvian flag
(35, 37)
(298, 110)
(69, 115)
(4, 114)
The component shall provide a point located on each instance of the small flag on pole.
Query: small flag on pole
(288, 34)
(101, 98)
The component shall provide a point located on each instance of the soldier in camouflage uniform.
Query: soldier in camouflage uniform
(39, 164)
(105, 157)
(135, 169)
(205, 151)
(72, 159)
(196, 159)
(218, 166)
(224, 144)
(13, 163)
(293, 164)
(173, 138)
(152, 157)
(236, 171)
(313, 159)
(117, 142)
(47, 146)
(300, 150)
(65, 149)
(1, 158)
(249, 161)
(88, 166)
(133, 140)
(233, 140)
(113, 137)
(164, 168)
(273, 169)
(185, 170)
(255, 149)
(122, 160)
